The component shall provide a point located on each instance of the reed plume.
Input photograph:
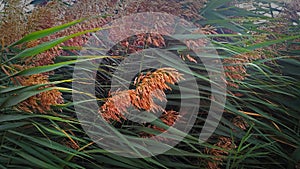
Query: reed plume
(149, 86)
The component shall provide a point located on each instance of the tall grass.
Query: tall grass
(260, 126)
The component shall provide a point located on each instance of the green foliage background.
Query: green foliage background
(271, 92)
